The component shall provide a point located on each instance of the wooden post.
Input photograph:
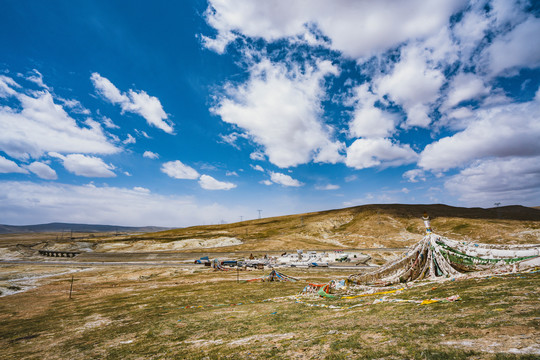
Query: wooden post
(71, 287)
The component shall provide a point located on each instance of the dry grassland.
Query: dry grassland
(368, 226)
(140, 313)
(191, 312)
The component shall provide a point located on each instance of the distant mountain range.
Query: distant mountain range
(66, 227)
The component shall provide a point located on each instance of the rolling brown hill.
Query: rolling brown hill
(368, 226)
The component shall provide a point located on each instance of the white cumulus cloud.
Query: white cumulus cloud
(85, 165)
(9, 166)
(150, 155)
(465, 86)
(39, 125)
(280, 109)
(414, 84)
(209, 183)
(42, 170)
(415, 175)
(499, 131)
(138, 102)
(284, 179)
(178, 170)
(368, 119)
(257, 167)
(257, 155)
(365, 153)
(519, 48)
(355, 28)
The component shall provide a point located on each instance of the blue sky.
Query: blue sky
(152, 113)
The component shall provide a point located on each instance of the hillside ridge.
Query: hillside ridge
(374, 225)
(60, 227)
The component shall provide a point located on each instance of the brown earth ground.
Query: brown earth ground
(139, 312)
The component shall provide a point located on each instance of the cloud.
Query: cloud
(377, 25)
(8, 166)
(414, 175)
(470, 31)
(231, 139)
(369, 120)
(518, 48)
(85, 165)
(141, 189)
(257, 155)
(209, 183)
(257, 167)
(365, 153)
(280, 109)
(509, 181)
(129, 140)
(38, 125)
(109, 123)
(137, 102)
(150, 155)
(266, 182)
(176, 169)
(327, 187)
(465, 86)
(142, 133)
(36, 77)
(75, 106)
(284, 180)
(500, 131)
(54, 202)
(6, 86)
(414, 84)
(42, 170)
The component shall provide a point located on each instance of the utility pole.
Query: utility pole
(259, 213)
(71, 287)
(241, 218)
